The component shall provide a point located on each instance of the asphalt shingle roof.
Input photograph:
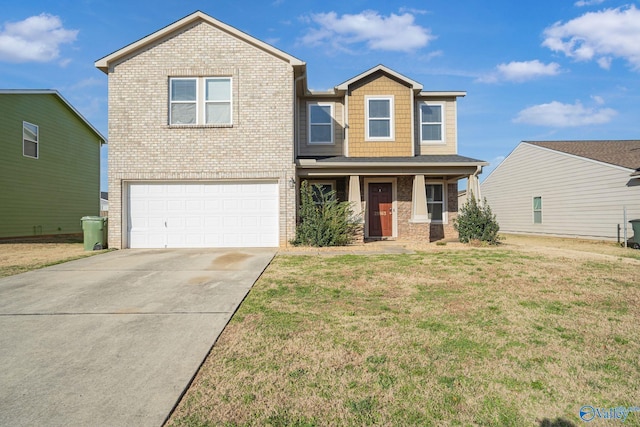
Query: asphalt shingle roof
(444, 158)
(624, 153)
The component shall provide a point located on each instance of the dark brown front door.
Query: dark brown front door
(380, 210)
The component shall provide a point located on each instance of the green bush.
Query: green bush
(475, 222)
(324, 221)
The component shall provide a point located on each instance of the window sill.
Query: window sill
(199, 126)
(320, 143)
(433, 143)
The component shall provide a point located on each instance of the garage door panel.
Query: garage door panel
(203, 214)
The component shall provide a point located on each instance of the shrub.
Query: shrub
(475, 222)
(324, 221)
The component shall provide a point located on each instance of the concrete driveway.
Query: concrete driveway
(115, 339)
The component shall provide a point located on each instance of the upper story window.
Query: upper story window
(379, 118)
(30, 140)
(320, 123)
(431, 123)
(200, 101)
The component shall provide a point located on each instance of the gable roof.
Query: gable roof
(412, 83)
(625, 153)
(103, 63)
(61, 98)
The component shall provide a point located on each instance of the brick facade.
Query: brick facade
(257, 146)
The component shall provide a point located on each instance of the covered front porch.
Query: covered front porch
(396, 199)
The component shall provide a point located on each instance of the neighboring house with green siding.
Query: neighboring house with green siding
(49, 165)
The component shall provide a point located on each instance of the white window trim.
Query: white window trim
(331, 184)
(201, 101)
(443, 136)
(445, 207)
(533, 210)
(37, 141)
(391, 136)
(331, 113)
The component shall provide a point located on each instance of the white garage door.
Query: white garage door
(203, 215)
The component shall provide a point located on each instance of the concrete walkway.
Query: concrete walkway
(114, 339)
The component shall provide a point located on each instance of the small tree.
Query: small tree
(324, 221)
(475, 222)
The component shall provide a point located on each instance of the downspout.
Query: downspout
(296, 134)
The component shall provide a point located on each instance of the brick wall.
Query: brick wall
(259, 144)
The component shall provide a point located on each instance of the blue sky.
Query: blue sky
(544, 70)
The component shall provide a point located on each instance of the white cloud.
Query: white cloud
(558, 115)
(36, 39)
(390, 33)
(520, 71)
(581, 3)
(600, 36)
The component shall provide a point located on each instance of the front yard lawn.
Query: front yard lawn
(453, 336)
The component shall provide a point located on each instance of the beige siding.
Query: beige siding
(142, 146)
(335, 149)
(580, 198)
(379, 84)
(450, 145)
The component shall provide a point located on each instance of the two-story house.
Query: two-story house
(212, 131)
(49, 165)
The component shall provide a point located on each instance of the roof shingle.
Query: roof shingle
(625, 153)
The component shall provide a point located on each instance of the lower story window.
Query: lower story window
(321, 190)
(435, 202)
(537, 210)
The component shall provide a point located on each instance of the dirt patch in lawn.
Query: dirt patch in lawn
(21, 255)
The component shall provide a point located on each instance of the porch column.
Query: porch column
(354, 196)
(473, 187)
(419, 200)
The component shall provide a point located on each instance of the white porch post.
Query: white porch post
(419, 200)
(354, 195)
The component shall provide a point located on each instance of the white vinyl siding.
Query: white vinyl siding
(380, 118)
(200, 101)
(30, 140)
(432, 128)
(320, 123)
(581, 198)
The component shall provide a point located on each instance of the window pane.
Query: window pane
(431, 132)
(379, 128)
(434, 193)
(321, 133)
(30, 148)
(537, 217)
(379, 108)
(435, 211)
(218, 90)
(431, 113)
(183, 90)
(537, 203)
(30, 132)
(219, 113)
(183, 114)
(320, 114)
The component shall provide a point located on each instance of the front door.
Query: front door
(380, 209)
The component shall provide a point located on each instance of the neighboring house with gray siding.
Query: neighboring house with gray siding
(212, 132)
(567, 188)
(49, 165)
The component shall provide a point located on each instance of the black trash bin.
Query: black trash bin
(635, 223)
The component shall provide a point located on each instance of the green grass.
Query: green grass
(485, 336)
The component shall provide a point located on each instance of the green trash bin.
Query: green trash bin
(635, 223)
(95, 232)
